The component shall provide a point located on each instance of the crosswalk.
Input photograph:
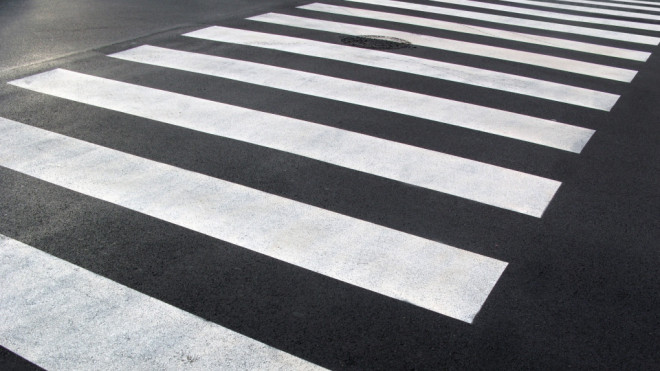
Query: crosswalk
(39, 288)
(568, 17)
(614, 5)
(589, 9)
(566, 61)
(534, 59)
(423, 67)
(489, 31)
(507, 20)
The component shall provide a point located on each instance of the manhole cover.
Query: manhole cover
(376, 42)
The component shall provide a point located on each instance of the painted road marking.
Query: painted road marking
(481, 31)
(520, 22)
(619, 5)
(471, 116)
(562, 16)
(62, 317)
(518, 56)
(480, 182)
(636, 2)
(425, 273)
(424, 67)
(587, 9)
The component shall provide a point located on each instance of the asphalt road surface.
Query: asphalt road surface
(365, 184)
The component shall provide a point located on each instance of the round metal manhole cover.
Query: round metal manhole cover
(376, 42)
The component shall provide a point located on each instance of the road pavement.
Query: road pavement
(365, 184)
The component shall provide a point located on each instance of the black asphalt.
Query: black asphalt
(582, 289)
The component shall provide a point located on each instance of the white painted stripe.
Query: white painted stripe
(655, 3)
(424, 67)
(619, 5)
(425, 273)
(489, 120)
(520, 22)
(587, 9)
(482, 31)
(518, 56)
(63, 317)
(433, 170)
(561, 16)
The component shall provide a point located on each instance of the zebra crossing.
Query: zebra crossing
(508, 20)
(568, 17)
(485, 31)
(452, 281)
(589, 9)
(55, 291)
(445, 71)
(579, 67)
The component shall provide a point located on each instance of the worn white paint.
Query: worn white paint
(554, 15)
(520, 22)
(422, 272)
(424, 67)
(477, 30)
(437, 171)
(489, 120)
(62, 317)
(488, 51)
(587, 9)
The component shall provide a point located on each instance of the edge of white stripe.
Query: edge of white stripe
(60, 316)
(428, 274)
